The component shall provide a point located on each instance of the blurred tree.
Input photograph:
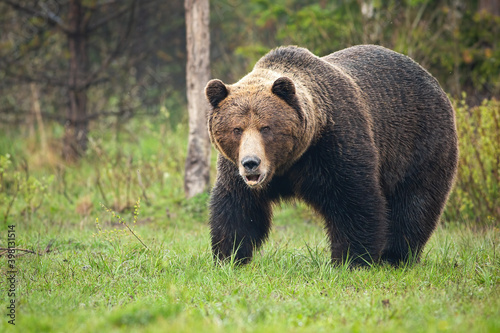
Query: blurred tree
(197, 171)
(88, 59)
(77, 21)
(490, 6)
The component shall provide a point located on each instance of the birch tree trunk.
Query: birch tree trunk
(197, 169)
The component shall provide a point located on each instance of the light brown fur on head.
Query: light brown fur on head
(263, 119)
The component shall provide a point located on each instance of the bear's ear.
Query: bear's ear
(284, 89)
(216, 91)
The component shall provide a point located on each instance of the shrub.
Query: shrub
(476, 197)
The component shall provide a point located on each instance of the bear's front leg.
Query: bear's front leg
(240, 217)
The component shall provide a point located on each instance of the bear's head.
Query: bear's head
(258, 125)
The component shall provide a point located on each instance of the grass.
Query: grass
(78, 281)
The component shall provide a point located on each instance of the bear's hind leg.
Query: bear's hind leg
(355, 218)
(414, 211)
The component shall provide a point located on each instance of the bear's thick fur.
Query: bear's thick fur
(365, 136)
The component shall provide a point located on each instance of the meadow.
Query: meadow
(78, 268)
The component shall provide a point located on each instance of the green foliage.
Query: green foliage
(458, 45)
(114, 234)
(476, 197)
(20, 191)
(116, 170)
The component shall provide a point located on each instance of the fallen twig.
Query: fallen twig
(5, 250)
(47, 248)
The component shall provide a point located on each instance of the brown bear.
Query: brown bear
(365, 136)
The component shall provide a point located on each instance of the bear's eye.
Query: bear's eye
(237, 131)
(265, 130)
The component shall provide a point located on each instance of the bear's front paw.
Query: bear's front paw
(238, 256)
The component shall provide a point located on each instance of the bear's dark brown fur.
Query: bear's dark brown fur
(365, 136)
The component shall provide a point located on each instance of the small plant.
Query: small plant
(112, 235)
(20, 192)
(476, 196)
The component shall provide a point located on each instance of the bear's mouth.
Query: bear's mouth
(253, 180)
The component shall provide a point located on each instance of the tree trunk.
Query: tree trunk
(490, 6)
(76, 127)
(197, 170)
(37, 114)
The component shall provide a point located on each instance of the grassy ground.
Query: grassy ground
(78, 281)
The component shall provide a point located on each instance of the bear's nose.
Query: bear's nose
(250, 163)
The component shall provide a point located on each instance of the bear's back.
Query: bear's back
(389, 79)
(393, 84)
(413, 118)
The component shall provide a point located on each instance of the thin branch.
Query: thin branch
(51, 17)
(111, 17)
(9, 207)
(5, 250)
(40, 79)
(105, 3)
(49, 246)
(115, 52)
(91, 116)
(46, 80)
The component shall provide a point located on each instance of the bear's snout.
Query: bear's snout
(250, 163)
(254, 167)
(252, 174)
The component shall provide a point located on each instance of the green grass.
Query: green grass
(85, 283)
